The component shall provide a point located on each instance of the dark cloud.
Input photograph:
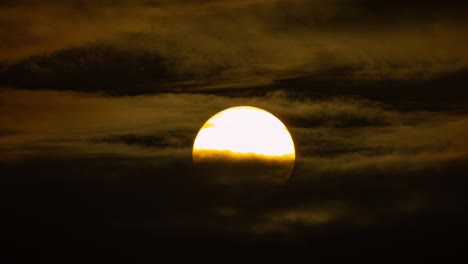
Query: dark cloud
(409, 94)
(173, 140)
(114, 71)
(107, 202)
(398, 10)
(91, 69)
(6, 132)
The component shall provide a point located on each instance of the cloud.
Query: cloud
(324, 130)
(92, 69)
(158, 141)
(228, 43)
(348, 140)
(116, 169)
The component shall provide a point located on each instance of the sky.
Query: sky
(100, 103)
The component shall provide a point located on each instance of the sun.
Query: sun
(243, 154)
(244, 132)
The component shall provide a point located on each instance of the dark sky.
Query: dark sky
(100, 102)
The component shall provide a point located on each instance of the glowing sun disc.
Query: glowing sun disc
(241, 132)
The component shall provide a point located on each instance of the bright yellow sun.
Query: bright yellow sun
(244, 131)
